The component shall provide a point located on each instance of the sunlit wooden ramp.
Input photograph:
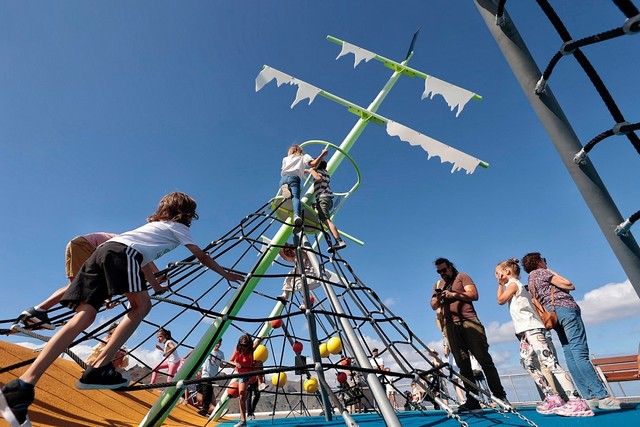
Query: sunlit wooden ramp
(58, 403)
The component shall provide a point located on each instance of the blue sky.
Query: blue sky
(105, 107)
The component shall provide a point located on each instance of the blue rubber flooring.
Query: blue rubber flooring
(628, 416)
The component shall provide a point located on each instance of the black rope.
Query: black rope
(626, 7)
(616, 130)
(588, 69)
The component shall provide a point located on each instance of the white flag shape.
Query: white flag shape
(433, 147)
(267, 74)
(358, 53)
(455, 96)
(305, 90)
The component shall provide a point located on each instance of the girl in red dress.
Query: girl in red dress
(242, 358)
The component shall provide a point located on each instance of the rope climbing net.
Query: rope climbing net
(349, 320)
(573, 47)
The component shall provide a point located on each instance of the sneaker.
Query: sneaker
(609, 403)
(282, 299)
(549, 403)
(240, 423)
(104, 377)
(297, 221)
(468, 406)
(15, 398)
(203, 412)
(36, 319)
(284, 191)
(574, 408)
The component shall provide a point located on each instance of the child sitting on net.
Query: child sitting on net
(291, 174)
(324, 201)
(294, 279)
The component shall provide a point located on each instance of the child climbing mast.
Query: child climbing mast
(115, 268)
(292, 172)
(324, 201)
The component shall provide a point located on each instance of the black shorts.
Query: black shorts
(113, 269)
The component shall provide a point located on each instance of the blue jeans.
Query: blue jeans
(294, 186)
(573, 338)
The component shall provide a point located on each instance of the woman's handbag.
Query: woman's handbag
(549, 318)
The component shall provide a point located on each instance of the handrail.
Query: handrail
(344, 153)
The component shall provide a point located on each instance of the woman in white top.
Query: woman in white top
(292, 172)
(172, 359)
(536, 355)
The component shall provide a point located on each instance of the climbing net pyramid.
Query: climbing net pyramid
(320, 340)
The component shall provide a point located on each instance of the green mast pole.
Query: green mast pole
(352, 136)
(170, 396)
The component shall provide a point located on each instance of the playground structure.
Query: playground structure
(456, 98)
(342, 306)
(573, 154)
(342, 317)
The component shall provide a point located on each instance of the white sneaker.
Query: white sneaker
(240, 423)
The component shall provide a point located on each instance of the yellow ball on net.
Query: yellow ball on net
(279, 379)
(324, 351)
(334, 345)
(261, 353)
(310, 385)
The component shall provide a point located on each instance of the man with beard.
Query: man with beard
(455, 293)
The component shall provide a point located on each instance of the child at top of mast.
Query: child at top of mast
(292, 172)
(324, 201)
(115, 268)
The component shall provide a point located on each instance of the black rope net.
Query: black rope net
(198, 296)
(629, 25)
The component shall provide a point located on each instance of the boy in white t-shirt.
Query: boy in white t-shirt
(291, 174)
(115, 268)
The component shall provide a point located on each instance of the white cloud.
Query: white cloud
(500, 332)
(388, 302)
(81, 350)
(609, 302)
(149, 357)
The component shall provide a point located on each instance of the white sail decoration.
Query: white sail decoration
(433, 147)
(305, 90)
(358, 53)
(455, 96)
(267, 74)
